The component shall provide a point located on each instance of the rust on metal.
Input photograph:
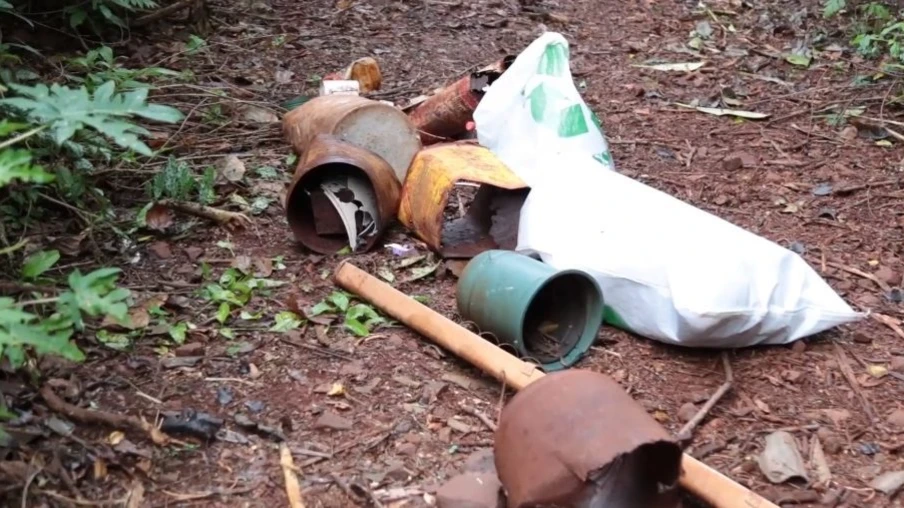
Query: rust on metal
(368, 124)
(575, 438)
(491, 220)
(444, 116)
(312, 219)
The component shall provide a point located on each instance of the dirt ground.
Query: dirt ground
(401, 422)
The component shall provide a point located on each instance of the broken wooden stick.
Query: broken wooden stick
(82, 415)
(293, 489)
(232, 220)
(687, 432)
(848, 374)
(702, 480)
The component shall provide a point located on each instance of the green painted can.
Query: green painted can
(548, 316)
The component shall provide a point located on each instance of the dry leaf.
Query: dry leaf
(254, 114)
(263, 267)
(100, 469)
(751, 115)
(366, 72)
(242, 263)
(336, 390)
(231, 168)
(159, 217)
(674, 67)
(116, 437)
(877, 371)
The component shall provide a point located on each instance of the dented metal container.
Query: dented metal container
(313, 221)
(491, 220)
(443, 116)
(548, 316)
(576, 439)
(368, 124)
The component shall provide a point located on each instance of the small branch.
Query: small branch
(854, 271)
(21, 137)
(102, 418)
(13, 248)
(686, 432)
(480, 416)
(293, 489)
(162, 13)
(845, 368)
(890, 322)
(222, 217)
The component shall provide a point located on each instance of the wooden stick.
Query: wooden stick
(293, 489)
(845, 368)
(687, 431)
(707, 483)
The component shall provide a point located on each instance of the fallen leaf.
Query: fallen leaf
(781, 460)
(751, 115)
(673, 67)
(159, 217)
(798, 60)
(386, 274)
(161, 249)
(283, 76)
(242, 263)
(877, 371)
(255, 114)
(336, 390)
(263, 267)
(116, 437)
(231, 168)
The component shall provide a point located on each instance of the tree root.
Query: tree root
(232, 220)
(102, 418)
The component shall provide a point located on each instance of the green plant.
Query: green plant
(99, 66)
(877, 31)
(360, 319)
(177, 181)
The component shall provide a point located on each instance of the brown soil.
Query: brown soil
(400, 392)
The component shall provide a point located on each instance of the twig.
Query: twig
(293, 489)
(848, 374)
(890, 322)
(222, 217)
(850, 269)
(102, 418)
(162, 13)
(83, 502)
(343, 486)
(480, 416)
(30, 479)
(366, 492)
(686, 432)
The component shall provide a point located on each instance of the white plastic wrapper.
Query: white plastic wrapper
(668, 270)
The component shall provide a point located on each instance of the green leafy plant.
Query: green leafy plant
(877, 31)
(360, 319)
(99, 66)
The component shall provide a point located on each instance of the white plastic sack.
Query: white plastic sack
(668, 270)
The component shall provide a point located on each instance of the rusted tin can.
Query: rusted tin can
(443, 116)
(328, 156)
(490, 222)
(548, 316)
(575, 438)
(368, 124)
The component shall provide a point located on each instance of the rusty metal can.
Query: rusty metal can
(443, 116)
(312, 220)
(365, 123)
(491, 221)
(575, 438)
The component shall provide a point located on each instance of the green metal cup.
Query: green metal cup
(551, 317)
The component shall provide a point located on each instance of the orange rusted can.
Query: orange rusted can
(314, 221)
(576, 438)
(443, 116)
(490, 222)
(372, 125)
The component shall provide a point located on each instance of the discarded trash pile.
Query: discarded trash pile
(558, 242)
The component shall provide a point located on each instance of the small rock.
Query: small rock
(799, 346)
(888, 483)
(887, 275)
(862, 338)
(298, 376)
(255, 406)
(224, 395)
(869, 449)
(896, 418)
(407, 449)
(481, 461)
(739, 160)
(896, 364)
(193, 253)
(330, 420)
(837, 416)
(193, 423)
(687, 411)
(190, 349)
(471, 490)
